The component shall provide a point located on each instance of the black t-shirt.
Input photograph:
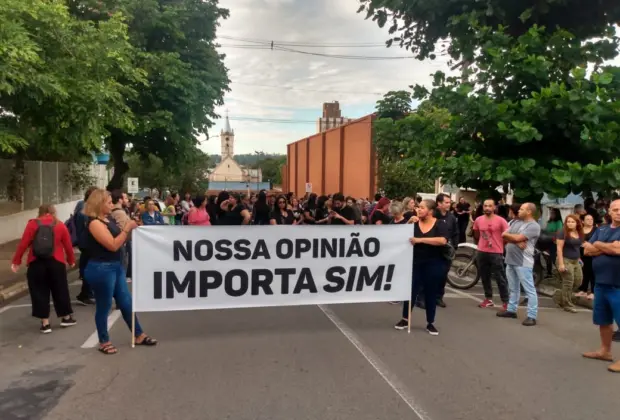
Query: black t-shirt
(365, 217)
(179, 213)
(312, 213)
(282, 219)
(261, 214)
(402, 222)
(296, 213)
(232, 217)
(380, 216)
(346, 212)
(408, 215)
(463, 207)
(320, 214)
(98, 252)
(425, 252)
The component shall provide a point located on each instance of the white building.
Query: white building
(228, 170)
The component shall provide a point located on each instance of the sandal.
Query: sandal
(147, 341)
(108, 349)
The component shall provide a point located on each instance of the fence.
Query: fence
(44, 182)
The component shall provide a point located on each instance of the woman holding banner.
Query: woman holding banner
(105, 272)
(430, 236)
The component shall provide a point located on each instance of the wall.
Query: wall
(12, 226)
(227, 170)
(44, 183)
(339, 160)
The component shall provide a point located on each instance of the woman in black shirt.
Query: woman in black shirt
(282, 215)
(379, 214)
(321, 212)
(233, 213)
(310, 210)
(105, 272)
(396, 210)
(261, 212)
(429, 264)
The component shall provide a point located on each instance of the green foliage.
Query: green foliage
(153, 172)
(59, 79)
(421, 25)
(172, 42)
(524, 113)
(271, 169)
(80, 177)
(395, 104)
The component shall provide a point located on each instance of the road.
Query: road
(338, 362)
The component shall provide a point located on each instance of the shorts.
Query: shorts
(606, 305)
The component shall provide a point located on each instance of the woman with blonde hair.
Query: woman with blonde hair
(105, 271)
(50, 252)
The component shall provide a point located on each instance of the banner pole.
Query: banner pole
(133, 329)
(409, 318)
(133, 291)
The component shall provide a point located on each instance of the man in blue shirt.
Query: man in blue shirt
(604, 247)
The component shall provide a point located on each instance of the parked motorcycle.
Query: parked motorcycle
(464, 273)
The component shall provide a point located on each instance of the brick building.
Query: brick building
(331, 118)
(341, 159)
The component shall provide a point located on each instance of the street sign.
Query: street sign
(132, 185)
(308, 187)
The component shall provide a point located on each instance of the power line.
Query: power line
(275, 47)
(307, 90)
(305, 44)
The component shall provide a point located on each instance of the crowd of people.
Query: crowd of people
(586, 245)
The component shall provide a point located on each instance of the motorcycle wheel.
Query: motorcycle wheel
(463, 274)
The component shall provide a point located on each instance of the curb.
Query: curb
(549, 291)
(20, 288)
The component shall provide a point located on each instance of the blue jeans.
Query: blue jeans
(522, 276)
(107, 279)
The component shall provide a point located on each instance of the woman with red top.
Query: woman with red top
(50, 252)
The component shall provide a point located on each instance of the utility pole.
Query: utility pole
(257, 170)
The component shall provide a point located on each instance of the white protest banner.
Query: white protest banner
(179, 268)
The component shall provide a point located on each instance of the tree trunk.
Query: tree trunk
(16, 182)
(117, 151)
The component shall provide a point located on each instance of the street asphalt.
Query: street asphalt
(309, 362)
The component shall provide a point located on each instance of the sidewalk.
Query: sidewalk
(14, 285)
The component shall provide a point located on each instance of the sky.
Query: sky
(279, 85)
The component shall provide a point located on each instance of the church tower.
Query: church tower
(227, 139)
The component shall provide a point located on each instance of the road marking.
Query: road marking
(93, 340)
(25, 305)
(453, 296)
(391, 379)
(463, 294)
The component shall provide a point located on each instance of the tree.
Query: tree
(271, 168)
(524, 113)
(173, 42)
(155, 173)
(394, 105)
(401, 172)
(421, 26)
(59, 93)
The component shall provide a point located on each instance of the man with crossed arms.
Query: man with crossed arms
(604, 247)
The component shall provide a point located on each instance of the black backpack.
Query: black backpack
(43, 242)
